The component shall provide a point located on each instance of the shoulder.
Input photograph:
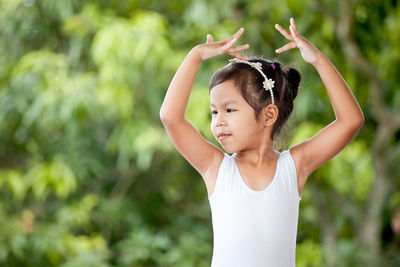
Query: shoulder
(286, 159)
(284, 154)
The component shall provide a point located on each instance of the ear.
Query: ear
(270, 114)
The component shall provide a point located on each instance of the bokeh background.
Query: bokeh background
(88, 176)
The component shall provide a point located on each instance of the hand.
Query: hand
(309, 52)
(212, 49)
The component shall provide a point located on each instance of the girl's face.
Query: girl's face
(233, 123)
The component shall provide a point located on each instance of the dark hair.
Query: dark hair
(250, 83)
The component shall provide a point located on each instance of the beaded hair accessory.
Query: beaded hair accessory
(268, 84)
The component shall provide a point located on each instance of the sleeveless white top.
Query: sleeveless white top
(255, 228)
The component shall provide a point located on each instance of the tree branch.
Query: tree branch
(344, 27)
(351, 50)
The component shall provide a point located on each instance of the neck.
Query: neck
(262, 153)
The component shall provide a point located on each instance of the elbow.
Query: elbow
(352, 123)
(360, 121)
(170, 114)
(168, 118)
(163, 116)
(357, 119)
(357, 122)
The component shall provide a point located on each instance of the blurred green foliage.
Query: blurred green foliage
(88, 176)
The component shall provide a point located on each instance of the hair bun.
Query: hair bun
(293, 76)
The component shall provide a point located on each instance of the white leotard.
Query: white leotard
(255, 228)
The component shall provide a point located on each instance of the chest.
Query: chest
(256, 178)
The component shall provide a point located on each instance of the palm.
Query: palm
(307, 50)
(212, 49)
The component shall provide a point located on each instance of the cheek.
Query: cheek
(247, 122)
(212, 126)
(245, 119)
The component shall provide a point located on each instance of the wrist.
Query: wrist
(318, 59)
(195, 54)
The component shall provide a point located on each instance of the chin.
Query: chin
(229, 150)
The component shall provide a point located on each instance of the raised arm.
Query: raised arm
(312, 153)
(201, 154)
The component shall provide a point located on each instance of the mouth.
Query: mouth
(222, 136)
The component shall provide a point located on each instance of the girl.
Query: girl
(255, 193)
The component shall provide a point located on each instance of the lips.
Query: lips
(222, 136)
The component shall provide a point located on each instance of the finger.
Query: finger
(230, 41)
(209, 39)
(238, 48)
(229, 44)
(238, 55)
(286, 47)
(293, 23)
(294, 33)
(284, 32)
(235, 36)
(238, 33)
(293, 28)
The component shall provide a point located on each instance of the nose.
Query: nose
(220, 121)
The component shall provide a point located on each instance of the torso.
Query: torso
(255, 178)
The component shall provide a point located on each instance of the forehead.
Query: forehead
(225, 93)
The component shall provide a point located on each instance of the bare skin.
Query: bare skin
(252, 146)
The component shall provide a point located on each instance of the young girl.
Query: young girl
(255, 193)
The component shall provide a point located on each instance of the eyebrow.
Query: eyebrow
(226, 102)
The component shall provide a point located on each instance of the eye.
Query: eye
(214, 112)
(229, 110)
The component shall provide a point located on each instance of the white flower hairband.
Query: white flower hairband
(268, 84)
